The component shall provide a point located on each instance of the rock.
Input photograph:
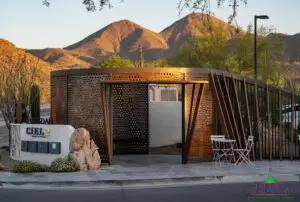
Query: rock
(84, 151)
(93, 157)
(78, 139)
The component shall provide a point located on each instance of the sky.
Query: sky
(28, 24)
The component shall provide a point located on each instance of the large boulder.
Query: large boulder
(84, 151)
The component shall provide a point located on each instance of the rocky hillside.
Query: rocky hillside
(124, 38)
(195, 24)
(11, 55)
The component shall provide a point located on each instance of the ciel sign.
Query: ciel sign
(38, 132)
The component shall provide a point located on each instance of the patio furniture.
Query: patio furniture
(223, 153)
(216, 145)
(244, 154)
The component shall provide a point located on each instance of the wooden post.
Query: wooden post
(106, 122)
(292, 128)
(224, 108)
(191, 132)
(191, 107)
(183, 132)
(269, 122)
(231, 112)
(219, 106)
(257, 122)
(248, 114)
(280, 126)
(239, 110)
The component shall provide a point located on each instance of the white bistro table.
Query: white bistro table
(224, 150)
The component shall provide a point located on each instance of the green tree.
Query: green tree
(270, 51)
(236, 55)
(206, 51)
(114, 61)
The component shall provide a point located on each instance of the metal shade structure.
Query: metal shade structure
(113, 105)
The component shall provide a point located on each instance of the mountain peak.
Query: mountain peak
(125, 22)
(122, 37)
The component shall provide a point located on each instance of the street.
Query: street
(215, 193)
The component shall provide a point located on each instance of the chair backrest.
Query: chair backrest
(250, 143)
(212, 137)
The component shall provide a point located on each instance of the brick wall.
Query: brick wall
(204, 127)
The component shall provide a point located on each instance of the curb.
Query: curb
(115, 182)
(157, 181)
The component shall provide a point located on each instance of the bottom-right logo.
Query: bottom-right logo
(270, 188)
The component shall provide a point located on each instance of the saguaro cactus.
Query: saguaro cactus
(35, 104)
(141, 56)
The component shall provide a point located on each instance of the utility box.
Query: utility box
(54, 147)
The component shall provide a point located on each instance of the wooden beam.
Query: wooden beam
(193, 124)
(225, 109)
(106, 122)
(218, 103)
(248, 114)
(152, 81)
(236, 98)
(231, 112)
(247, 107)
(280, 126)
(257, 123)
(191, 108)
(269, 122)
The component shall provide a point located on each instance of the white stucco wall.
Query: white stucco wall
(58, 133)
(164, 123)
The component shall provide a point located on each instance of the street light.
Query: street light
(262, 17)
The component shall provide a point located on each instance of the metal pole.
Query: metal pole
(255, 56)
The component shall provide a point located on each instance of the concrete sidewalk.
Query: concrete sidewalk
(161, 173)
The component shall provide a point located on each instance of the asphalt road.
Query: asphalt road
(214, 193)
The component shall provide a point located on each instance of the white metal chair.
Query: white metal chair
(216, 148)
(244, 154)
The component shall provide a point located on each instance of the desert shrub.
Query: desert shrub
(63, 165)
(29, 167)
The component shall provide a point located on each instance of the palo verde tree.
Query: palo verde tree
(270, 54)
(206, 51)
(18, 74)
(114, 61)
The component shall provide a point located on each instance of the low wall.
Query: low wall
(164, 123)
(41, 143)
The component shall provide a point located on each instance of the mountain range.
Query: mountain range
(125, 37)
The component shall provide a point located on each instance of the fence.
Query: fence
(268, 113)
